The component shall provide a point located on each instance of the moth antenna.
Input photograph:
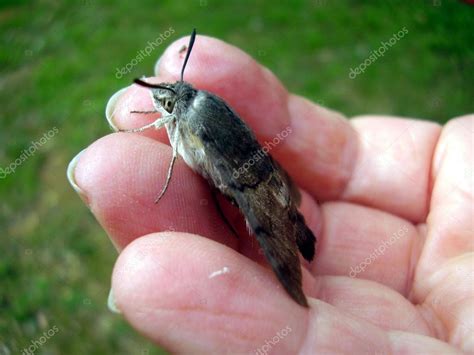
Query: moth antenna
(153, 86)
(190, 47)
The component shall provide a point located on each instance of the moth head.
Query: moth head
(164, 96)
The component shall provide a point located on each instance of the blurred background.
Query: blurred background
(58, 67)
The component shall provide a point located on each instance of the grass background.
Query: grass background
(57, 69)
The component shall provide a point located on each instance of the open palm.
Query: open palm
(394, 264)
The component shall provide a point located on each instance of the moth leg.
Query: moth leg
(160, 122)
(221, 213)
(170, 169)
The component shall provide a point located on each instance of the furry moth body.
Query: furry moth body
(215, 142)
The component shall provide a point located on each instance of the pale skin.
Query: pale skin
(403, 184)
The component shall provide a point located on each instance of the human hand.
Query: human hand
(393, 268)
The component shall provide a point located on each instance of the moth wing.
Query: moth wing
(261, 188)
(273, 222)
(294, 191)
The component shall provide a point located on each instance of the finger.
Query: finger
(215, 300)
(361, 242)
(450, 226)
(444, 276)
(121, 175)
(392, 168)
(372, 302)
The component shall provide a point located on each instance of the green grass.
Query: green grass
(57, 69)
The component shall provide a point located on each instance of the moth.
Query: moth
(215, 142)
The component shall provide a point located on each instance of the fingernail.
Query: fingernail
(111, 106)
(157, 67)
(70, 177)
(111, 303)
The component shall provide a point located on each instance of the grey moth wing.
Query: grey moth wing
(263, 191)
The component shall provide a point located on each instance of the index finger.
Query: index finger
(369, 162)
